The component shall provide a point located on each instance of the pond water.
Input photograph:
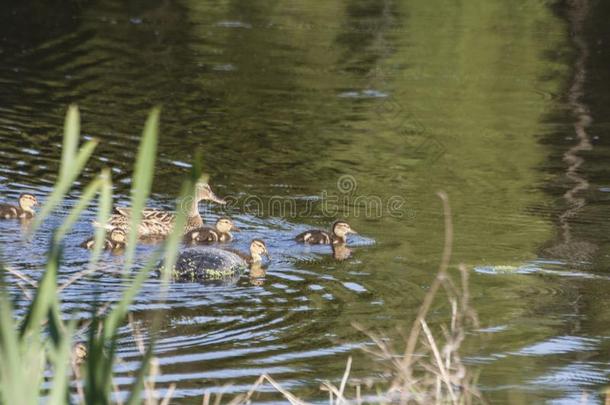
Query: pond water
(311, 111)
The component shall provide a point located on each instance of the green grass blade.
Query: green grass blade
(102, 347)
(136, 389)
(119, 312)
(103, 213)
(60, 360)
(70, 143)
(142, 180)
(173, 241)
(56, 325)
(45, 294)
(83, 202)
(63, 184)
(10, 365)
(97, 383)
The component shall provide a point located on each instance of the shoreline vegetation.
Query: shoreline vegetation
(42, 359)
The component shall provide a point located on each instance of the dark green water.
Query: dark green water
(309, 111)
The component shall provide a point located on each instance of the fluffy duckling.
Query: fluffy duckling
(338, 235)
(222, 233)
(115, 240)
(258, 249)
(27, 202)
(159, 223)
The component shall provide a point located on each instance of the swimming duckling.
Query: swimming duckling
(27, 202)
(203, 235)
(159, 223)
(338, 235)
(115, 240)
(258, 249)
(208, 263)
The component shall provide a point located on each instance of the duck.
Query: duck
(212, 263)
(258, 249)
(221, 233)
(338, 235)
(79, 354)
(115, 240)
(159, 223)
(24, 210)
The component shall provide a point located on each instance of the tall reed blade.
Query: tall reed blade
(142, 180)
(45, 295)
(70, 144)
(72, 164)
(103, 214)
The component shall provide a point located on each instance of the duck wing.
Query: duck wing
(153, 222)
(146, 213)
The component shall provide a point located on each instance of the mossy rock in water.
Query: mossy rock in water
(207, 263)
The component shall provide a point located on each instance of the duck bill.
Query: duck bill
(352, 232)
(235, 229)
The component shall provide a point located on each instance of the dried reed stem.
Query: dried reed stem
(429, 298)
(22, 276)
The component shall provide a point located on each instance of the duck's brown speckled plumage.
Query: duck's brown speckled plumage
(338, 235)
(24, 210)
(159, 223)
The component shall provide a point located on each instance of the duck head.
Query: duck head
(203, 191)
(27, 202)
(118, 235)
(257, 249)
(341, 229)
(225, 225)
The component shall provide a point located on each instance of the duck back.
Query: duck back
(315, 237)
(9, 212)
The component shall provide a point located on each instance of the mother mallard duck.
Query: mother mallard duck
(159, 223)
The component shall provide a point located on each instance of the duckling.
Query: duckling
(205, 263)
(159, 223)
(79, 354)
(115, 240)
(338, 235)
(258, 249)
(203, 235)
(27, 202)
